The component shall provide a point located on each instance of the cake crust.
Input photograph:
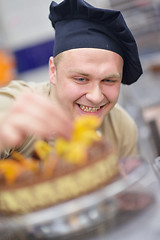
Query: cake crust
(60, 189)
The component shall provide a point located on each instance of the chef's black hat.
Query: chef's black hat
(80, 25)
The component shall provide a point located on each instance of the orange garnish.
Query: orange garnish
(29, 163)
(49, 166)
(73, 151)
(11, 170)
(42, 149)
(84, 134)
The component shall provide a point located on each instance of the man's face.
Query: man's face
(87, 81)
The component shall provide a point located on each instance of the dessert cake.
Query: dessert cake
(53, 175)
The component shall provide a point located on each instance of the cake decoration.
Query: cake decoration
(84, 134)
(53, 175)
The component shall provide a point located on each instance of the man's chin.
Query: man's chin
(101, 118)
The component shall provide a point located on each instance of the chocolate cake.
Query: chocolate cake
(54, 175)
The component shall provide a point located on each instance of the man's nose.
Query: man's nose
(95, 95)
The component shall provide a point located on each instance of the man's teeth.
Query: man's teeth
(89, 109)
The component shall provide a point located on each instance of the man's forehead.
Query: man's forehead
(82, 61)
(86, 52)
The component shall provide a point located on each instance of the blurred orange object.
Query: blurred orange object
(7, 68)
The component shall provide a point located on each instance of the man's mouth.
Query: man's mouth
(88, 109)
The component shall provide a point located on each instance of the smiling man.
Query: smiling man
(94, 53)
(89, 83)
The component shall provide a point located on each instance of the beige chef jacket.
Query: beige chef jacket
(118, 127)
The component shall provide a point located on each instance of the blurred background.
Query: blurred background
(27, 40)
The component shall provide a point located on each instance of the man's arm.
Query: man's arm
(32, 114)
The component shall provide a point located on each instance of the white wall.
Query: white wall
(25, 22)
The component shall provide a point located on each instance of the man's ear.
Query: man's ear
(52, 71)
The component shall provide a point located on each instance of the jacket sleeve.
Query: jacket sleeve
(8, 95)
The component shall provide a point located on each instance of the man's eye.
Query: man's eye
(109, 80)
(80, 79)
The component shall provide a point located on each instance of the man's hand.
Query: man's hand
(33, 114)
